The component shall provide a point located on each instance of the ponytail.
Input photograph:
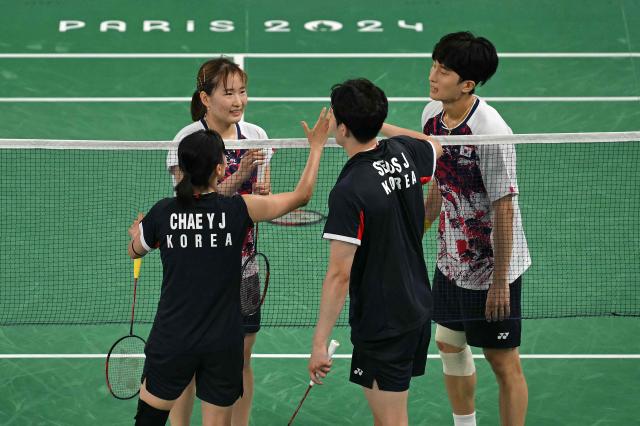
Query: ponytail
(198, 110)
(184, 190)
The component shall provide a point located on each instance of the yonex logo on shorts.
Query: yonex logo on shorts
(358, 372)
(503, 336)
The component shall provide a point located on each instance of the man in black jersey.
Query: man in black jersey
(375, 226)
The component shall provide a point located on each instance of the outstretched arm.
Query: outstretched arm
(432, 205)
(262, 208)
(389, 130)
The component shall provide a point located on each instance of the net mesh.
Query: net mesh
(66, 207)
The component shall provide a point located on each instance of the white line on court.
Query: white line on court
(341, 356)
(313, 99)
(399, 55)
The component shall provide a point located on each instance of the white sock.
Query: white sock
(465, 420)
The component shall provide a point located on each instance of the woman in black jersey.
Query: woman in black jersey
(198, 325)
(219, 103)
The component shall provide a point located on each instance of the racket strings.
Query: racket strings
(125, 364)
(255, 276)
(250, 294)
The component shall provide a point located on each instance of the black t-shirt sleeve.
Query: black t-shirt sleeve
(149, 228)
(346, 217)
(423, 154)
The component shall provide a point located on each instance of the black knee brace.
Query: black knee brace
(149, 416)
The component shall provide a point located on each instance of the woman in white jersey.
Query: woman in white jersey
(218, 104)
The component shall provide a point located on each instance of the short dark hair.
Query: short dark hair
(472, 58)
(198, 155)
(361, 106)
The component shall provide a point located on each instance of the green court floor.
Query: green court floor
(575, 385)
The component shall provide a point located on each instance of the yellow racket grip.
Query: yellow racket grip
(136, 267)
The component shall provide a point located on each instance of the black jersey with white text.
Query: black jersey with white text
(378, 205)
(201, 249)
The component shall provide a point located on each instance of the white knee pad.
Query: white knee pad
(450, 337)
(459, 363)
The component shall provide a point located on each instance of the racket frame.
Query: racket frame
(319, 218)
(107, 366)
(266, 278)
(136, 274)
(330, 351)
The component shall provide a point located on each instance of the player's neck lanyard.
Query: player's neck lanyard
(205, 124)
(199, 195)
(372, 148)
(465, 116)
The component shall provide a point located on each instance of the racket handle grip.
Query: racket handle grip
(136, 267)
(333, 345)
(262, 169)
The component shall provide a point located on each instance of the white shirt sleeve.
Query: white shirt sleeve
(432, 109)
(172, 154)
(498, 168)
(251, 131)
(497, 162)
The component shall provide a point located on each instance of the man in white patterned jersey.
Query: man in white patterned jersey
(482, 247)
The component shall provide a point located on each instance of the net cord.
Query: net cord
(532, 138)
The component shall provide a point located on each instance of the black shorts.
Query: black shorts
(462, 309)
(251, 323)
(391, 362)
(218, 375)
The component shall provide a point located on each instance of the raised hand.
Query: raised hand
(318, 135)
(134, 229)
(250, 160)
